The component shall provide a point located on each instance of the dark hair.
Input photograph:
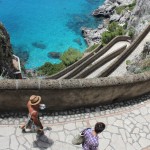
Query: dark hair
(99, 127)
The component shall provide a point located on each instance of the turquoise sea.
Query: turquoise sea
(37, 27)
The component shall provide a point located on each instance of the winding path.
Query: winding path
(121, 70)
(112, 49)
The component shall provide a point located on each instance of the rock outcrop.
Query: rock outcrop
(140, 16)
(6, 54)
(137, 19)
(93, 36)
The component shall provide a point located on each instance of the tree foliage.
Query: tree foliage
(131, 32)
(113, 30)
(130, 7)
(49, 69)
(70, 56)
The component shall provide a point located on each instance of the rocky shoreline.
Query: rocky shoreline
(137, 18)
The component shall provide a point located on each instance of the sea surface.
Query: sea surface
(37, 27)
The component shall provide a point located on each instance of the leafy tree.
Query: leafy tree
(113, 26)
(70, 56)
(113, 30)
(106, 37)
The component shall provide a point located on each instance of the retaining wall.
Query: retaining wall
(66, 94)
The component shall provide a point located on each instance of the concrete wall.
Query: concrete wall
(65, 94)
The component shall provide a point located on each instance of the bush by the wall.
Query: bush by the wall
(131, 32)
(70, 56)
(113, 30)
(49, 69)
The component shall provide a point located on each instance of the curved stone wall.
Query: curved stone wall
(66, 94)
(72, 93)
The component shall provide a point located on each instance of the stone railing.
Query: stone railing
(67, 94)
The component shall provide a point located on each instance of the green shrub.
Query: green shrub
(113, 30)
(130, 7)
(49, 69)
(128, 62)
(70, 56)
(120, 9)
(106, 37)
(131, 32)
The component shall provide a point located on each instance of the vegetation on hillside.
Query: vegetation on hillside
(68, 57)
(130, 7)
(49, 68)
(131, 32)
(145, 66)
(138, 65)
(113, 30)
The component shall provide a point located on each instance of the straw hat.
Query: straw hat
(34, 99)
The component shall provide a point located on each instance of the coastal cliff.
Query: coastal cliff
(6, 55)
(134, 14)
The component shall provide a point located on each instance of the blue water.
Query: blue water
(37, 27)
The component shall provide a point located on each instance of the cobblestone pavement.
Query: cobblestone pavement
(127, 127)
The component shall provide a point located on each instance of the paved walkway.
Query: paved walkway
(127, 127)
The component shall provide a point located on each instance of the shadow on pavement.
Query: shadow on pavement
(42, 142)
